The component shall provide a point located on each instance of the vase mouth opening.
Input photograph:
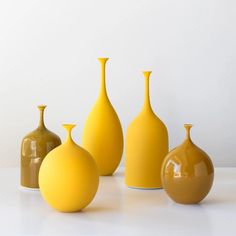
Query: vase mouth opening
(42, 107)
(147, 73)
(103, 59)
(69, 127)
(188, 125)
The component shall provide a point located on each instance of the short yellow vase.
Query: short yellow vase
(146, 147)
(102, 135)
(35, 146)
(187, 172)
(68, 177)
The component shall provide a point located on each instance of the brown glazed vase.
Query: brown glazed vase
(35, 146)
(187, 172)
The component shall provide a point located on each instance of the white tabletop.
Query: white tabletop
(118, 210)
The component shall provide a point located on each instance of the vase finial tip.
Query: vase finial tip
(68, 127)
(103, 59)
(41, 107)
(188, 126)
(147, 73)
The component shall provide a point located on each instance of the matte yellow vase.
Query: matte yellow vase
(187, 172)
(102, 135)
(146, 147)
(35, 146)
(68, 177)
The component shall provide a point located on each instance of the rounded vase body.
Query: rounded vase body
(187, 173)
(35, 146)
(68, 177)
(102, 135)
(146, 147)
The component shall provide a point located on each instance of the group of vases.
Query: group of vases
(68, 175)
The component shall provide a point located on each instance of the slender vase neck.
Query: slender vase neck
(103, 90)
(41, 124)
(69, 128)
(188, 128)
(147, 104)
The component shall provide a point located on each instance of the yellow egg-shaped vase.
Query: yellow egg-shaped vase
(68, 176)
(102, 135)
(187, 172)
(146, 146)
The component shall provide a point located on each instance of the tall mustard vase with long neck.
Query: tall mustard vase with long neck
(187, 172)
(102, 135)
(35, 146)
(68, 177)
(146, 147)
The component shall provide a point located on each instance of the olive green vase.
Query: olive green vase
(35, 146)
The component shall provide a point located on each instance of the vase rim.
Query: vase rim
(103, 58)
(42, 106)
(147, 72)
(68, 125)
(188, 125)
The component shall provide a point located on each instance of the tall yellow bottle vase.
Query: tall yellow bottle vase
(146, 146)
(68, 176)
(102, 135)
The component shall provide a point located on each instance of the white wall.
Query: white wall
(48, 54)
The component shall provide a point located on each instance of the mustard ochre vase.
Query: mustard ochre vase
(68, 177)
(146, 146)
(187, 172)
(102, 134)
(35, 146)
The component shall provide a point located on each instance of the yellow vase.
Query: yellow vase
(35, 146)
(102, 135)
(146, 147)
(68, 177)
(187, 172)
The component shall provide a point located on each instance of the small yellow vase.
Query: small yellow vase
(35, 146)
(102, 135)
(146, 147)
(187, 172)
(68, 177)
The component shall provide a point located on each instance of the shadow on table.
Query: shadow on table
(218, 201)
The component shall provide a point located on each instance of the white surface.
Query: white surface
(49, 50)
(118, 210)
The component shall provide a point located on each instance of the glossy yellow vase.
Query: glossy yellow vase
(68, 177)
(102, 135)
(35, 146)
(187, 172)
(146, 147)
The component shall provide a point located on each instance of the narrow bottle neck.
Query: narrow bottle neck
(69, 128)
(41, 117)
(188, 128)
(103, 90)
(147, 103)
(69, 137)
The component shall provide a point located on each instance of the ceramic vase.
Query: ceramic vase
(146, 146)
(187, 172)
(102, 135)
(68, 177)
(35, 146)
